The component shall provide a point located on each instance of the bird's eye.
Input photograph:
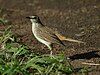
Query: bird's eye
(34, 17)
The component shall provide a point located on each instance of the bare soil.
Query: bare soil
(79, 19)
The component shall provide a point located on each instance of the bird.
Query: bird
(47, 35)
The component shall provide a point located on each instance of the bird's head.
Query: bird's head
(34, 18)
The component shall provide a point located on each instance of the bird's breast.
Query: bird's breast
(34, 30)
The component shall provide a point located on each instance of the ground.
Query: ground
(78, 19)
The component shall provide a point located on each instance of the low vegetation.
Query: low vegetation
(18, 59)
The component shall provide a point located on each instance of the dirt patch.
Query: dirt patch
(79, 19)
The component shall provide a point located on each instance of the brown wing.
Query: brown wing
(48, 35)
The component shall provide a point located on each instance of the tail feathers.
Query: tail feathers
(72, 40)
(68, 39)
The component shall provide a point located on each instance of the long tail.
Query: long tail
(72, 40)
(68, 39)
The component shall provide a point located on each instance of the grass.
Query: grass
(17, 59)
(3, 21)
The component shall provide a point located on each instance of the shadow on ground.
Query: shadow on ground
(87, 55)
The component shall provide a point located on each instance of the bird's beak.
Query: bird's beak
(28, 17)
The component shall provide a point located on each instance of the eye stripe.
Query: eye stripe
(33, 17)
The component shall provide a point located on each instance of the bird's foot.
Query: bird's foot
(51, 54)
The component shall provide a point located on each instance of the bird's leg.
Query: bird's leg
(51, 53)
(50, 48)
